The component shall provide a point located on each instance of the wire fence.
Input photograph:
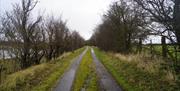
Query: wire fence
(165, 50)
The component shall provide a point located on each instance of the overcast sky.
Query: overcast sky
(82, 15)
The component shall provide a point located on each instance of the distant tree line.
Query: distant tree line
(128, 22)
(31, 39)
(123, 24)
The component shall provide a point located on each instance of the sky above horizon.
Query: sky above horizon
(81, 15)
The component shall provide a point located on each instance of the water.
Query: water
(5, 54)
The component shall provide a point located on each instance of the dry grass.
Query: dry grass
(139, 72)
(40, 77)
(144, 61)
(17, 80)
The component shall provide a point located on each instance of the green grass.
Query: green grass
(133, 75)
(9, 66)
(40, 77)
(86, 76)
(158, 50)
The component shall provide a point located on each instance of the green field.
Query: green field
(157, 49)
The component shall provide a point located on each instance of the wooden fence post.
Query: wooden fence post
(176, 52)
(3, 55)
(151, 49)
(140, 45)
(1, 68)
(164, 46)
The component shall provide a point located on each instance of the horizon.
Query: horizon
(82, 16)
(79, 14)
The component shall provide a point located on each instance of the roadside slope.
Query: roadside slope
(138, 73)
(40, 77)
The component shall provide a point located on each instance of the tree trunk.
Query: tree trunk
(25, 58)
(178, 38)
(177, 20)
(128, 43)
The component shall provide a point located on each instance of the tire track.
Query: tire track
(106, 81)
(67, 79)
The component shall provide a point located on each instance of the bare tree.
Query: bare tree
(166, 13)
(59, 38)
(31, 39)
(20, 30)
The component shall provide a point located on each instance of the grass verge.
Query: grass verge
(40, 77)
(86, 77)
(134, 77)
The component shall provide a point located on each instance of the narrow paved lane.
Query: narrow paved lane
(107, 83)
(66, 81)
